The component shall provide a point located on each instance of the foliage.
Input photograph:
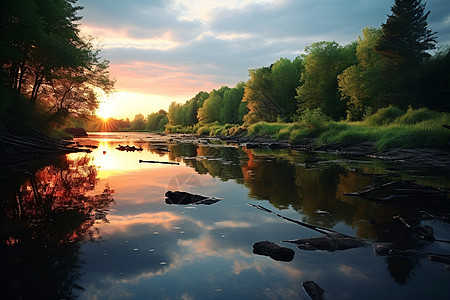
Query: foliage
(156, 122)
(43, 57)
(324, 61)
(210, 112)
(384, 116)
(403, 46)
(270, 92)
(229, 113)
(362, 83)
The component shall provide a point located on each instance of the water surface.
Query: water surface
(96, 226)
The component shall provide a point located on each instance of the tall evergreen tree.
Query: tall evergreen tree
(403, 46)
(405, 35)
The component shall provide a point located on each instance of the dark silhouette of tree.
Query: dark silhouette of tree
(403, 45)
(43, 57)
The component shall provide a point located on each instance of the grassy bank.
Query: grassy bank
(388, 128)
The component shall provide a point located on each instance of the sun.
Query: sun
(104, 111)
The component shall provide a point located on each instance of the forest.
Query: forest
(50, 75)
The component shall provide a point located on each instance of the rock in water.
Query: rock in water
(184, 198)
(314, 291)
(273, 251)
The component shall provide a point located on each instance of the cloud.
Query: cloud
(177, 48)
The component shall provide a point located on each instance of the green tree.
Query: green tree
(362, 84)
(157, 121)
(138, 123)
(286, 78)
(324, 61)
(258, 96)
(403, 46)
(270, 91)
(232, 99)
(210, 111)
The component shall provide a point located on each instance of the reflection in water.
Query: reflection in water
(204, 251)
(45, 217)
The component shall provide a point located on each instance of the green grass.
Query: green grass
(387, 128)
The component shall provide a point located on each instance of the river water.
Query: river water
(96, 226)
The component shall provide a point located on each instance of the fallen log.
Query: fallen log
(331, 241)
(158, 162)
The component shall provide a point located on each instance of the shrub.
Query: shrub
(416, 116)
(384, 116)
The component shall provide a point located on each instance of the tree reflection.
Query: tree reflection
(45, 217)
(316, 192)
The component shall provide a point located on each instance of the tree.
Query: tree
(43, 57)
(210, 112)
(258, 96)
(286, 76)
(362, 84)
(324, 61)
(157, 121)
(403, 46)
(232, 98)
(138, 123)
(270, 91)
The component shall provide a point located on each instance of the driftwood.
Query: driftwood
(274, 251)
(331, 241)
(184, 198)
(314, 291)
(158, 162)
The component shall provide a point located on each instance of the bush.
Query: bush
(266, 129)
(384, 116)
(416, 116)
(315, 120)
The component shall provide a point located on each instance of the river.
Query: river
(96, 225)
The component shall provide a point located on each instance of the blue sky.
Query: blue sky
(168, 50)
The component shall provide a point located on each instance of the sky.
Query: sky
(169, 50)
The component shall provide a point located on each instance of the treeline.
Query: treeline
(391, 65)
(154, 122)
(48, 72)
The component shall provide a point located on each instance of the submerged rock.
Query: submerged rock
(274, 251)
(314, 291)
(184, 198)
(329, 242)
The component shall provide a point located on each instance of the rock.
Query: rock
(329, 242)
(274, 251)
(76, 132)
(184, 198)
(314, 291)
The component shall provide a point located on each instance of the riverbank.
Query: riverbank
(417, 137)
